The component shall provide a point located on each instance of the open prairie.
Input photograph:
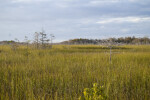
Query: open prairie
(63, 72)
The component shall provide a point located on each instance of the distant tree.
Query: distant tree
(136, 41)
(112, 41)
(27, 41)
(146, 40)
(128, 40)
(15, 44)
(36, 39)
(120, 40)
(43, 39)
(51, 39)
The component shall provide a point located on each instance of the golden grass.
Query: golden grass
(63, 72)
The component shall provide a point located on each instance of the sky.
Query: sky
(69, 19)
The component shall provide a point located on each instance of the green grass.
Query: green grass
(62, 73)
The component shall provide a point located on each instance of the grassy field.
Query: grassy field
(63, 72)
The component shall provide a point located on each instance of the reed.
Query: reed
(63, 72)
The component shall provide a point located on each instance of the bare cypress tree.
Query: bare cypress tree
(51, 39)
(36, 39)
(27, 41)
(15, 44)
(43, 39)
(109, 44)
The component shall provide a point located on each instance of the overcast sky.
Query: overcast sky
(68, 19)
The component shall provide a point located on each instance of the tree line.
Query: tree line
(121, 40)
(43, 40)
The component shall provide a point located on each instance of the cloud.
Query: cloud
(35, 1)
(125, 30)
(124, 20)
(28, 1)
(74, 18)
(134, 0)
(95, 2)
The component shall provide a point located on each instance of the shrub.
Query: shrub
(95, 93)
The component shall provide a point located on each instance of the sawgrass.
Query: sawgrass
(62, 73)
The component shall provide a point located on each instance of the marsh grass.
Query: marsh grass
(63, 72)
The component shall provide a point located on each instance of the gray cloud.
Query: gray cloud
(74, 18)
